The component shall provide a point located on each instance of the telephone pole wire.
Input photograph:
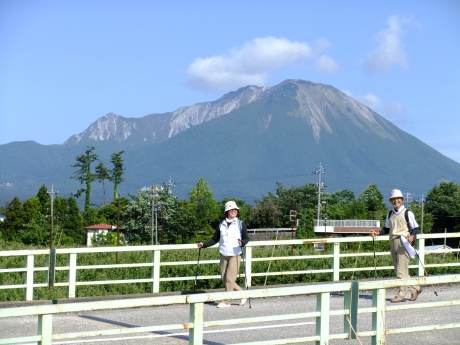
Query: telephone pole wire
(319, 170)
(169, 184)
(51, 236)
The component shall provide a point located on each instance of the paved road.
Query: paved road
(106, 319)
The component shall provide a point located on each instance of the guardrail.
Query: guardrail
(155, 277)
(196, 324)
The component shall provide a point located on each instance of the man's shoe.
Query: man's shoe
(243, 301)
(398, 299)
(415, 294)
(223, 305)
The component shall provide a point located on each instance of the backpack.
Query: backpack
(406, 217)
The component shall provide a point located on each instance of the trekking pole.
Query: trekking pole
(197, 266)
(424, 270)
(245, 276)
(269, 264)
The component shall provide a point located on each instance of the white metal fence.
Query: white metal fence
(155, 278)
(197, 324)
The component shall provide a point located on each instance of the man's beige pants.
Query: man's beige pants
(401, 264)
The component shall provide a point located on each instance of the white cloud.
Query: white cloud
(326, 64)
(251, 63)
(371, 101)
(390, 48)
(394, 111)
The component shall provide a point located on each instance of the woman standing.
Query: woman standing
(232, 236)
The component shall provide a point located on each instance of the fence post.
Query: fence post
(323, 301)
(336, 262)
(52, 274)
(45, 329)
(350, 321)
(378, 316)
(29, 278)
(421, 256)
(155, 274)
(72, 276)
(196, 317)
(248, 263)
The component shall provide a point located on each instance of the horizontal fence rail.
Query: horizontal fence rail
(155, 264)
(196, 324)
(348, 223)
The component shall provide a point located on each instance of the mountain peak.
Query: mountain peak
(315, 103)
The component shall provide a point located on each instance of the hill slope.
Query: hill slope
(259, 136)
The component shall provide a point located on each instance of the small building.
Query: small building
(98, 229)
(343, 227)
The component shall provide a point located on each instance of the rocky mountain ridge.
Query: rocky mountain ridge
(241, 144)
(155, 128)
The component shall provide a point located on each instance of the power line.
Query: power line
(319, 170)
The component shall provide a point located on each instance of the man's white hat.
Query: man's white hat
(396, 193)
(230, 205)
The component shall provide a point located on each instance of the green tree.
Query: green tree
(102, 174)
(373, 201)
(37, 231)
(176, 219)
(137, 219)
(109, 213)
(265, 212)
(443, 202)
(45, 199)
(83, 174)
(295, 198)
(428, 220)
(205, 207)
(68, 222)
(117, 172)
(16, 220)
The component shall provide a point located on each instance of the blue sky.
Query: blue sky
(64, 64)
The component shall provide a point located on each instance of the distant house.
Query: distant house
(98, 229)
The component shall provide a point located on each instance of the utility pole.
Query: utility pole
(408, 198)
(319, 170)
(169, 184)
(292, 218)
(51, 234)
(118, 226)
(325, 218)
(422, 201)
(6, 222)
(153, 191)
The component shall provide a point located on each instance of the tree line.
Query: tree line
(194, 219)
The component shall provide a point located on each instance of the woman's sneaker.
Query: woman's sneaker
(223, 305)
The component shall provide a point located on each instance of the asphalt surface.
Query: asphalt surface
(112, 319)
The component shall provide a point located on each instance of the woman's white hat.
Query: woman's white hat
(396, 193)
(230, 205)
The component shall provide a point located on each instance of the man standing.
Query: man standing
(397, 226)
